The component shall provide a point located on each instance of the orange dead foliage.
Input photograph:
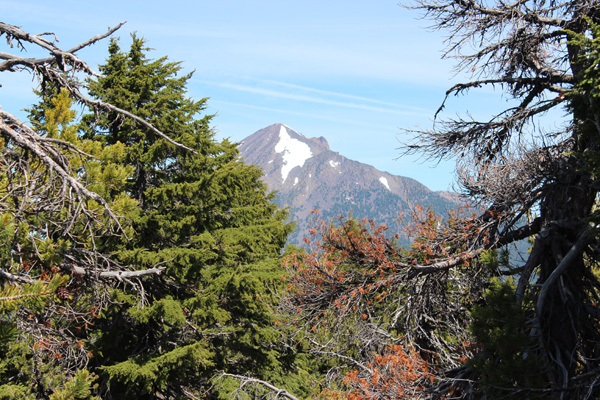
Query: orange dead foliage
(398, 373)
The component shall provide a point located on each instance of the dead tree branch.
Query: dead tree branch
(245, 380)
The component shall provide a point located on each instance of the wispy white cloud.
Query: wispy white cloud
(343, 95)
(316, 99)
(302, 114)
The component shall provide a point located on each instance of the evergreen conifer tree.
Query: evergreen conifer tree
(47, 245)
(207, 219)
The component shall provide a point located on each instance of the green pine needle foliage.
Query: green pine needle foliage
(207, 219)
(506, 358)
(44, 311)
(79, 387)
(584, 100)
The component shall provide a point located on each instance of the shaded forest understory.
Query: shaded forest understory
(141, 259)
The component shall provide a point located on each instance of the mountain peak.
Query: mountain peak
(271, 133)
(306, 174)
(284, 148)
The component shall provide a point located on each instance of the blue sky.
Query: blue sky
(353, 71)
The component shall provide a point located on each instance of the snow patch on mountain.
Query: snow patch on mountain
(333, 163)
(294, 152)
(384, 182)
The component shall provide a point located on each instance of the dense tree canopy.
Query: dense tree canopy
(142, 259)
(204, 217)
(138, 247)
(54, 276)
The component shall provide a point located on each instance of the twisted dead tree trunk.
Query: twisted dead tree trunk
(543, 54)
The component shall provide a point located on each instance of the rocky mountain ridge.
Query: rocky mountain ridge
(307, 175)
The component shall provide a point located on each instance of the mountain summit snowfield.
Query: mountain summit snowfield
(307, 174)
(293, 151)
